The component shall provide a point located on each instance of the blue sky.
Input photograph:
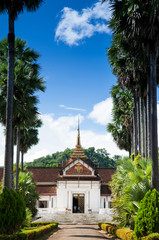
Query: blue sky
(72, 38)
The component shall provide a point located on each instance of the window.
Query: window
(43, 204)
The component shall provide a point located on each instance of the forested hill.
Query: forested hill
(99, 156)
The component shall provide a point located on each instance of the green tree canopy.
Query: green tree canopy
(99, 156)
(121, 127)
(129, 185)
(28, 190)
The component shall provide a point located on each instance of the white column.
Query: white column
(67, 199)
(70, 200)
(107, 203)
(89, 200)
(86, 202)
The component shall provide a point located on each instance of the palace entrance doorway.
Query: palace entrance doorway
(78, 203)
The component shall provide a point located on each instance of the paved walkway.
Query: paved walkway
(79, 232)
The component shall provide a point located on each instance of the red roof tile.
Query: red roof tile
(46, 190)
(106, 174)
(42, 174)
(105, 190)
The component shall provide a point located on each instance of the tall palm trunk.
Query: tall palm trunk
(153, 115)
(145, 129)
(22, 161)
(12, 171)
(141, 127)
(138, 126)
(17, 158)
(135, 130)
(7, 180)
(149, 124)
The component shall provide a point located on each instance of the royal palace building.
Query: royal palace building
(76, 186)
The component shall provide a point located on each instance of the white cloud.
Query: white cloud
(72, 108)
(75, 26)
(102, 111)
(105, 140)
(57, 134)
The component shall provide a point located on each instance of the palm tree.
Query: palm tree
(29, 137)
(129, 185)
(13, 8)
(121, 127)
(138, 23)
(27, 81)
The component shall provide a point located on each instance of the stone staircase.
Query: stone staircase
(78, 218)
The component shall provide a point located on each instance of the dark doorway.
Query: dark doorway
(75, 204)
(78, 203)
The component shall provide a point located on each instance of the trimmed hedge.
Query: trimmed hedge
(147, 219)
(36, 224)
(124, 234)
(32, 234)
(12, 211)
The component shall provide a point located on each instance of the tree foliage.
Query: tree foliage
(99, 156)
(13, 9)
(129, 185)
(121, 126)
(28, 190)
(134, 58)
(147, 220)
(12, 211)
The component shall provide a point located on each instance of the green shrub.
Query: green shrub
(152, 236)
(28, 218)
(12, 211)
(109, 228)
(36, 224)
(28, 190)
(31, 234)
(125, 234)
(147, 220)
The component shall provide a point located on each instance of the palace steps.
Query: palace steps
(75, 218)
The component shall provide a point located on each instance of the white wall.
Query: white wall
(91, 191)
(107, 209)
(51, 204)
(64, 199)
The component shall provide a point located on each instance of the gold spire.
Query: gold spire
(78, 136)
(78, 152)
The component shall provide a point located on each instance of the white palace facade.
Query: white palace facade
(79, 186)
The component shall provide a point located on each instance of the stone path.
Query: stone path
(79, 232)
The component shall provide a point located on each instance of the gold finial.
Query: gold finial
(78, 151)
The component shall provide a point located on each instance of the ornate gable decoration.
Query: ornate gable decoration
(78, 168)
